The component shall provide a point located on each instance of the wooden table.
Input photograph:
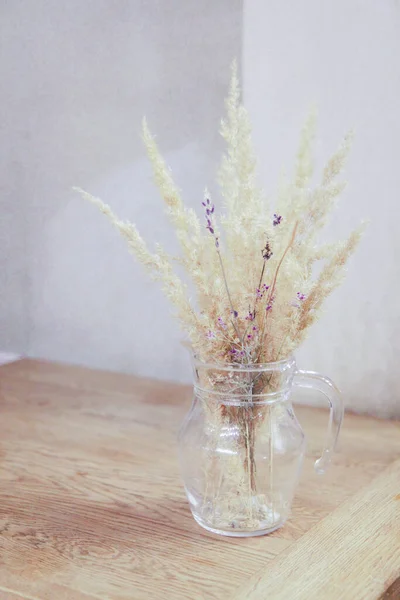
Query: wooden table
(92, 506)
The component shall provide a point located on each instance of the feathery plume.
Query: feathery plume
(252, 268)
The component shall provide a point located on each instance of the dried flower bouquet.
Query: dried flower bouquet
(253, 269)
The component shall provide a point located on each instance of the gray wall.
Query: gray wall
(77, 77)
(345, 57)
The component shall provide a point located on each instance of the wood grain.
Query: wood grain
(354, 553)
(91, 502)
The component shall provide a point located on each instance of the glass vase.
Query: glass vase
(241, 446)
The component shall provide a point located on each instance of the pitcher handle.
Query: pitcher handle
(315, 381)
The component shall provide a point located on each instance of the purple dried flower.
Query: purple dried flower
(301, 296)
(250, 316)
(211, 335)
(255, 328)
(236, 352)
(260, 292)
(209, 226)
(270, 304)
(249, 336)
(266, 252)
(277, 219)
(209, 211)
(235, 313)
(221, 323)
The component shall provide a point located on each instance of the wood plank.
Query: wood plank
(352, 554)
(393, 591)
(91, 501)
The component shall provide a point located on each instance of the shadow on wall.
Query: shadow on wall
(78, 79)
(94, 305)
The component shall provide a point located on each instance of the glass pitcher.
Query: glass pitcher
(241, 447)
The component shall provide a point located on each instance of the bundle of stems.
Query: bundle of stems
(236, 415)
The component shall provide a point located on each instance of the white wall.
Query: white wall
(13, 267)
(77, 77)
(345, 56)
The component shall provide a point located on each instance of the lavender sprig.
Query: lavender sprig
(261, 291)
(209, 210)
(300, 297)
(266, 252)
(221, 323)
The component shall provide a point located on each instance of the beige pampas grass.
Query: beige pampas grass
(252, 269)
